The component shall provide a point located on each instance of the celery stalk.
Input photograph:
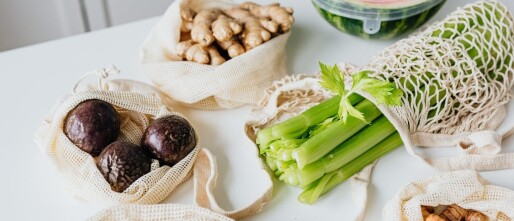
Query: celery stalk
(297, 126)
(312, 192)
(345, 152)
(322, 143)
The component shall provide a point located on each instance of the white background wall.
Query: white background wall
(25, 22)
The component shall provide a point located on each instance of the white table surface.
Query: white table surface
(34, 77)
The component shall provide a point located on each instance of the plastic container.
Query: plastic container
(377, 19)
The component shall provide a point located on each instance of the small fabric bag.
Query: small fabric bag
(465, 188)
(137, 104)
(238, 81)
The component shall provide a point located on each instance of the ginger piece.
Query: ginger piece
(253, 34)
(454, 212)
(281, 15)
(426, 211)
(232, 46)
(182, 48)
(473, 215)
(216, 58)
(224, 28)
(198, 54)
(434, 217)
(192, 52)
(187, 16)
(186, 26)
(269, 25)
(201, 31)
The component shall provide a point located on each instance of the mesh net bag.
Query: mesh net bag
(456, 76)
(137, 104)
(465, 188)
(238, 81)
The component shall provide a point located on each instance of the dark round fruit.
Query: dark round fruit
(92, 125)
(169, 139)
(122, 163)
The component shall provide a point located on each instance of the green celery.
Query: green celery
(296, 126)
(332, 179)
(325, 141)
(347, 151)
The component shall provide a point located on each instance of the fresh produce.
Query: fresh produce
(377, 19)
(92, 125)
(451, 213)
(212, 36)
(169, 139)
(330, 142)
(333, 140)
(122, 163)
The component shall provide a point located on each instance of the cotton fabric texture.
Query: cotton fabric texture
(465, 188)
(240, 80)
(137, 104)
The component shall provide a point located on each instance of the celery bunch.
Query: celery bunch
(335, 139)
(346, 132)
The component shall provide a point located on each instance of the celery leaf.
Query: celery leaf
(384, 92)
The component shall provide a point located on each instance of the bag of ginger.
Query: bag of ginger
(240, 80)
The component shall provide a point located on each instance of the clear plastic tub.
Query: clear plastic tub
(377, 19)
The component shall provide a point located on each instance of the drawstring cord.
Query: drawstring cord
(102, 74)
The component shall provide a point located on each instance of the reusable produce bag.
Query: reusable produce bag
(238, 81)
(465, 64)
(465, 188)
(137, 104)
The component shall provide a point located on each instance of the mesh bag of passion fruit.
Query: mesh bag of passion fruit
(236, 82)
(475, 195)
(138, 105)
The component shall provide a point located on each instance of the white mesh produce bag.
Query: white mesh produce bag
(238, 81)
(456, 77)
(465, 188)
(137, 104)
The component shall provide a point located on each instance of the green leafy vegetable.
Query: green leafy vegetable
(384, 92)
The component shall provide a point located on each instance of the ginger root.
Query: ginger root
(201, 31)
(281, 15)
(224, 28)
(187, 16)
(232, 46)
(254, 34)
(216, 58)
(211, 36)
(473, 215)
(192, 51)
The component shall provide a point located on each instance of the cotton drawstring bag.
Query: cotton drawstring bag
(456, 76)
(465, 188)
(138, 104)
(238, 81)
